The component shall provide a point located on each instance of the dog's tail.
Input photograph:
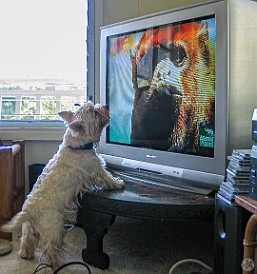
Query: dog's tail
(16, 222)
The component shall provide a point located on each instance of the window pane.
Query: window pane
(48, 108)
(68, 102)
(8, 106)
(42, 57)
(28, 108)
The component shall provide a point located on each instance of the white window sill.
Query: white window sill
(32, 134)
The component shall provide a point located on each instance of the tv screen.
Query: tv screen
(160, 87)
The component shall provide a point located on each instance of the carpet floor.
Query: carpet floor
(134, 247)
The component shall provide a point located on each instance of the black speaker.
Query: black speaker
(229, 226)
(34, 171)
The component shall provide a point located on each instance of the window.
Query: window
(42, 59)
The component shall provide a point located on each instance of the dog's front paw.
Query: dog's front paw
(119, 184)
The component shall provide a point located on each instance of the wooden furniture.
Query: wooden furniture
(250, 238)
(12, 182)
(98, 210)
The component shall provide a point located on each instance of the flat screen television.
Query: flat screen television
(165, 78)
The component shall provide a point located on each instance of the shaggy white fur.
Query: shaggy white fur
(72, 170)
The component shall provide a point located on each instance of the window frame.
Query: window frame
(41, 129)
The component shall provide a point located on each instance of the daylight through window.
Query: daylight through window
(42, 58)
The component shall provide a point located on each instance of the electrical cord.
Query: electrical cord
(42, 266)
(71, 263)
(190, 261)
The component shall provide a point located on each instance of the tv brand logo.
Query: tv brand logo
(150, 156)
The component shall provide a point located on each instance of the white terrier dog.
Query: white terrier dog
(73, 169)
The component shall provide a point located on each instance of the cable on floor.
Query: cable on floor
(71, 263)
(209, 269)
(44, 266)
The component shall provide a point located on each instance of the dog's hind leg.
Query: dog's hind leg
(52, 237)
(29, 241)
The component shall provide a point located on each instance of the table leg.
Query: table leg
(250, 245)
(95, 225)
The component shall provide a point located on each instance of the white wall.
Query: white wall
(120, 10)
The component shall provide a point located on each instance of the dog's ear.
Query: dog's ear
(67, 116)
(76, 126)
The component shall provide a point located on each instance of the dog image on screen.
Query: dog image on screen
(74, 169)
(173, 76)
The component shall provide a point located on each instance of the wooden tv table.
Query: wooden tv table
(99, 209)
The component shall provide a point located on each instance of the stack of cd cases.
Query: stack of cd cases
(237, 176)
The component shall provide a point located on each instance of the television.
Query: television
(168, 79)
